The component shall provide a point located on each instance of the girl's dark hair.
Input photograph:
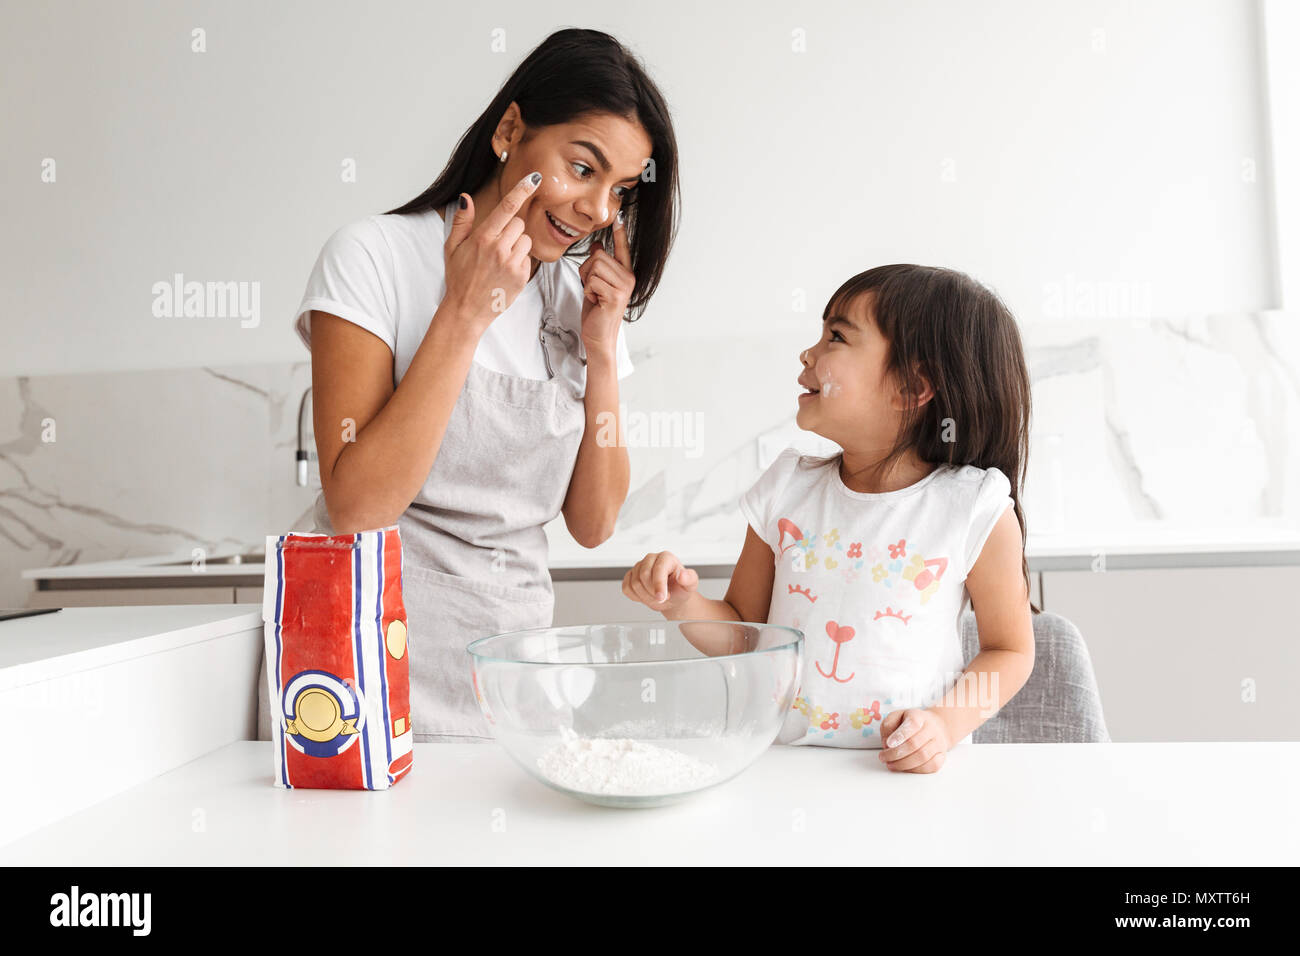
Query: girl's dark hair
(960, 335)
(571, 74)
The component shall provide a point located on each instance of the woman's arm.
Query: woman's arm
(1006, 631)
(601, 473)
(376, 444)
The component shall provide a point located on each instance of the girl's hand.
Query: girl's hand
(607, 286)
(916, 740)
(660, 581)
(488, 263)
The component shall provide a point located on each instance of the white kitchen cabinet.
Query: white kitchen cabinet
(100, 699)
(1190, 653)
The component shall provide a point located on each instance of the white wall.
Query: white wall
(1086, 142)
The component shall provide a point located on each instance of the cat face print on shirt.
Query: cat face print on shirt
(900, 578)
(856, 602)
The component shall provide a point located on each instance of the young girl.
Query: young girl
(875, 553)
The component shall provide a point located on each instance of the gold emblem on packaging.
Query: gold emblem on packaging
(317, 716)
(396, 639)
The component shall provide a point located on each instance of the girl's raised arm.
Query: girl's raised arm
(661, 582)
(750, 591)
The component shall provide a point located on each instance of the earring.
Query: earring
(503, 155)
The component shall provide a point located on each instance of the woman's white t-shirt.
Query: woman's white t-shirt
(876, 582)
(386, 274)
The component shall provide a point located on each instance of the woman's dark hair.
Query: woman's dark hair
(571, 74)
(960, 335)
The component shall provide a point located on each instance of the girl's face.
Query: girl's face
(588, 166)
(849, 396)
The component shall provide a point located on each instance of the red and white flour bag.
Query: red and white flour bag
(336, 660)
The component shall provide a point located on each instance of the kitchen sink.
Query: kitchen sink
(257, 557)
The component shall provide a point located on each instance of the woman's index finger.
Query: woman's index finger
(622, 251)
(512, 204)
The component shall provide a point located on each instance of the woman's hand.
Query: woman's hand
(660, 581)
(607, 286)
(916, 740)
(488, 263)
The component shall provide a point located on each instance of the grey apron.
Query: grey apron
(474, 555)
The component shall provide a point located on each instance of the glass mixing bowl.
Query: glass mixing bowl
(639, 714)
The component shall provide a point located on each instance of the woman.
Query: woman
(461, 355)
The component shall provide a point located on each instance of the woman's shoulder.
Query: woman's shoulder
(356, 248)
(364, 232)
(412, 233)
(390, 238)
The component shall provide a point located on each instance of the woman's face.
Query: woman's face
(588, 166)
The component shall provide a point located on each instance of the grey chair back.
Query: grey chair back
(1059, 703)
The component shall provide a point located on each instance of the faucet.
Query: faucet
(302, 455)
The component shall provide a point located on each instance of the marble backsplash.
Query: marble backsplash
(96, 467)
(1190, 422)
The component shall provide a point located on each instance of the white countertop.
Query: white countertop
(44, 646)
(1177, 804)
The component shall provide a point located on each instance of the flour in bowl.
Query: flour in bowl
(621, 767)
